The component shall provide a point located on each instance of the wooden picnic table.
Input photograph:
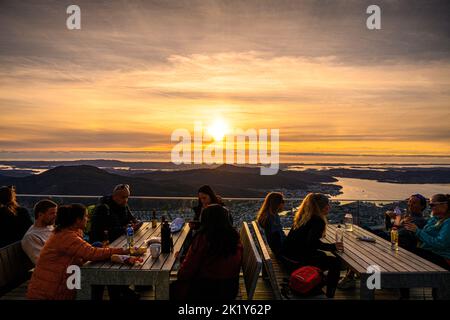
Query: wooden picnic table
(399, 269)
(153, 271)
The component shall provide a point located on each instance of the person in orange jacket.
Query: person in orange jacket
(64, 248)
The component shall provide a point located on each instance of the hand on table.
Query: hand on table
(194, 225)
(136, 225)
(340, 246)
(125, 251)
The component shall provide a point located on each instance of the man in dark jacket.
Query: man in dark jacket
(112, 214)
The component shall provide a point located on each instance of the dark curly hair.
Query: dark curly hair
(67, 215)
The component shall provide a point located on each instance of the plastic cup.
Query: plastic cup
(155, 250)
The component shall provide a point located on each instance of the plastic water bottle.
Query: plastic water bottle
(340, 235)
(130, 236)
(348, 222)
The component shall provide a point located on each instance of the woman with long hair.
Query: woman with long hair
(269, 220)
(206, 196)
(303, 246)
(211, 268)
(64, 248)
(14, 219)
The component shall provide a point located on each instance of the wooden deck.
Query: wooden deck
(263, 292)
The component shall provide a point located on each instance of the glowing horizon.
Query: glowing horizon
(327, 83)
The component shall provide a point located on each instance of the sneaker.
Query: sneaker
(347, 283)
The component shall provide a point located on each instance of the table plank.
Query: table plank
(121, 242)
(352, 259)
(391, 260)
(118, 243)
(177, 246)
(147, 256)
(369, 252)
(139, 241)
(159, 263)
(410, 258)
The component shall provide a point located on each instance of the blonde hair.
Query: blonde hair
(311, 206)
(269, 207)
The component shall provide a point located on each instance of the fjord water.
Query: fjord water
(373, 190)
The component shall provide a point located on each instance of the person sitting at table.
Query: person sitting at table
(434, 237)
(14, 219)
(64, 248)
(35, 238)
(303, 246)
(211, 268)
(406, 239)
(206, 197)
(269, 220)
(416, 205)
(112, 214)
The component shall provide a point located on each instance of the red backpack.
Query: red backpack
(305, 279)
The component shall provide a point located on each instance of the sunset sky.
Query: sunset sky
(138, 70)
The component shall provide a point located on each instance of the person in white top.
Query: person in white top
(34, 239)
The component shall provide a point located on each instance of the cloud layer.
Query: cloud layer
(137, 71)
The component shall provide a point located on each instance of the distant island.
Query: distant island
(392, 173)
(401, 175)
(227, 180)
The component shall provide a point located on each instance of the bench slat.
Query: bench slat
(251, 261)
(14, 266)
(274, 270)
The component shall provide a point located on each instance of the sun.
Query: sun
(218, 129)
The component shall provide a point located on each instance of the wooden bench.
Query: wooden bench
(251, 261)
(273, 269)
(15, 267)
